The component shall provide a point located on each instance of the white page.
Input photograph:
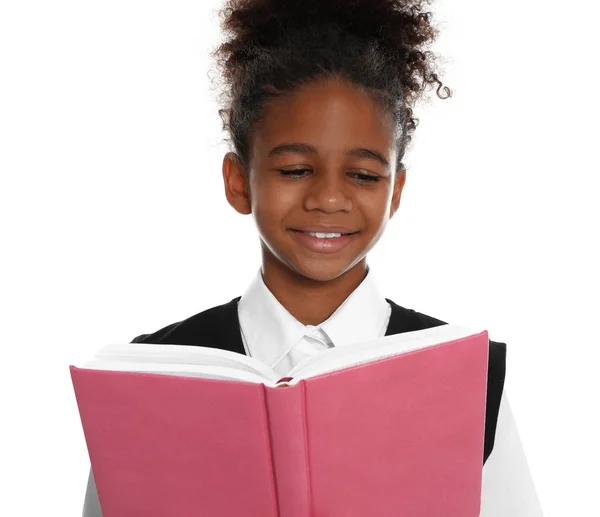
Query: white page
(337, 358)
(154, 354)
(183, 370)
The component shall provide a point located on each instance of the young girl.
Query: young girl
(318, 104)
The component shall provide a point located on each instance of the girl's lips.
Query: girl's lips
(322, 245)
(325, 229)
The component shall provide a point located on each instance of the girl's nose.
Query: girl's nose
(328, 192)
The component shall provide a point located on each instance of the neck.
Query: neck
(309, 300)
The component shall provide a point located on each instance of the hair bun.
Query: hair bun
(269, 22)
(273, 46)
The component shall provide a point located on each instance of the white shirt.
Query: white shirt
(272, 335)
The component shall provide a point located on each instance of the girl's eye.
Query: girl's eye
(366, 178)
(293, 173)
(362, 178)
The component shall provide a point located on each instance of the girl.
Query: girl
(318, 103)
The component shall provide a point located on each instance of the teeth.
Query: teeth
(324, 235)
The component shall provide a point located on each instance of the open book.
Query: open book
(394, 426)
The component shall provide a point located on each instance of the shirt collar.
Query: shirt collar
(270, 331)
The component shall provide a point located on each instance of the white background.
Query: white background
(115, 223)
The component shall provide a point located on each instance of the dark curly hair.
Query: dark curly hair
(275, 46)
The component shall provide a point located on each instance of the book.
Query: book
(389, 427)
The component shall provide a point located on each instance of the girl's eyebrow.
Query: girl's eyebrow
(302, 148)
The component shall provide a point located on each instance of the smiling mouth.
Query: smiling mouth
(324, 232)
(326, 235)
(326, 243)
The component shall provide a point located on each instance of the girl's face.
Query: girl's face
(342, 150)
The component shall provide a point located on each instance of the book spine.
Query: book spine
(287, 425)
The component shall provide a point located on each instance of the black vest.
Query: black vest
(219, 327)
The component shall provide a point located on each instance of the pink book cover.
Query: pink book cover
(400, 436)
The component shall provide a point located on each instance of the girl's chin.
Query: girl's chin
(321, 270)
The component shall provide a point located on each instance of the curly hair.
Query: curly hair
(273, 47)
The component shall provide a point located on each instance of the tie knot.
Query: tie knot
(318, 334)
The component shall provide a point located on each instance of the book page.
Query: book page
(354, 354)
(181, 370)
(195, 359)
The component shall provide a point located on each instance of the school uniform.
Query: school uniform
(257, 325)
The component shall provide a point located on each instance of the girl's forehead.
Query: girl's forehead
(322, 99)
(325, 112)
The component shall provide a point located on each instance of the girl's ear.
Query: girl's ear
(399, 181)
(235, 179)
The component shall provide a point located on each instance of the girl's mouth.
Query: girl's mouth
(318, 242)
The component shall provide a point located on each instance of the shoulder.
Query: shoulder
(407, 320)
(195, 328)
